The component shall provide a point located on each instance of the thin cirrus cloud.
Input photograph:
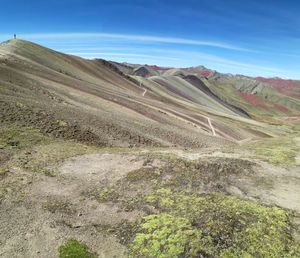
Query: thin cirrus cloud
(166, 57)
(108, 54)
(225, 64)
(141, 38)
(175, 58)
(142, 49)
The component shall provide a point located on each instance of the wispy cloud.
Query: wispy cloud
(174, 53)
(108, 54)
(229, 64)
(198, 57)
(166, 57)
(141, 38)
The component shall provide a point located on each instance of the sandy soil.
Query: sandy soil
(48, 210)
(95, 168)
(297, 139)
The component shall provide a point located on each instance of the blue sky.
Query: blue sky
(258, 37)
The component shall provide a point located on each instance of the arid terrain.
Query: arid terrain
(106, 159)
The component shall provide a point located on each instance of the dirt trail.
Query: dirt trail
(211, 127)
(145, 91)
(241, 142)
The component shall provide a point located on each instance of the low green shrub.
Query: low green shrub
(74, 249)
(228, 226)
(165, 235)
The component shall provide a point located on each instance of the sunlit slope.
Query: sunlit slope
(235, 124)
(93, 101)
(200, 85)
(85, 100)
(178, 87)
(256, 98)
(287, 87)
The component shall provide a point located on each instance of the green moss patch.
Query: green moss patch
(213, 225)
(74, 249)
(165, 235)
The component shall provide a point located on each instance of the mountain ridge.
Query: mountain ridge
(100, 103)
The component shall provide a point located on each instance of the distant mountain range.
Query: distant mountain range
(121, 104)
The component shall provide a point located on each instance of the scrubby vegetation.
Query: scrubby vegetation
(277, 150)
(3, 171)
(166, 235)
(16, 137)
(143, 174)
(107, 194)
(58, 206)
(39, 158)
(74, 249)
(35, 151)
(212, 226)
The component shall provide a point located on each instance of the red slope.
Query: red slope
(288, 87)
(252, 99)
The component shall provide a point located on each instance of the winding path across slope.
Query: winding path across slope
(145, 90)
(211, 126)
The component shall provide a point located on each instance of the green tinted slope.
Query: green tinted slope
(254, 97)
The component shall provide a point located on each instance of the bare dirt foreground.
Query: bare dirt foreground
(47, 210)
(40, 212)
(270, 184)
(298, 156)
